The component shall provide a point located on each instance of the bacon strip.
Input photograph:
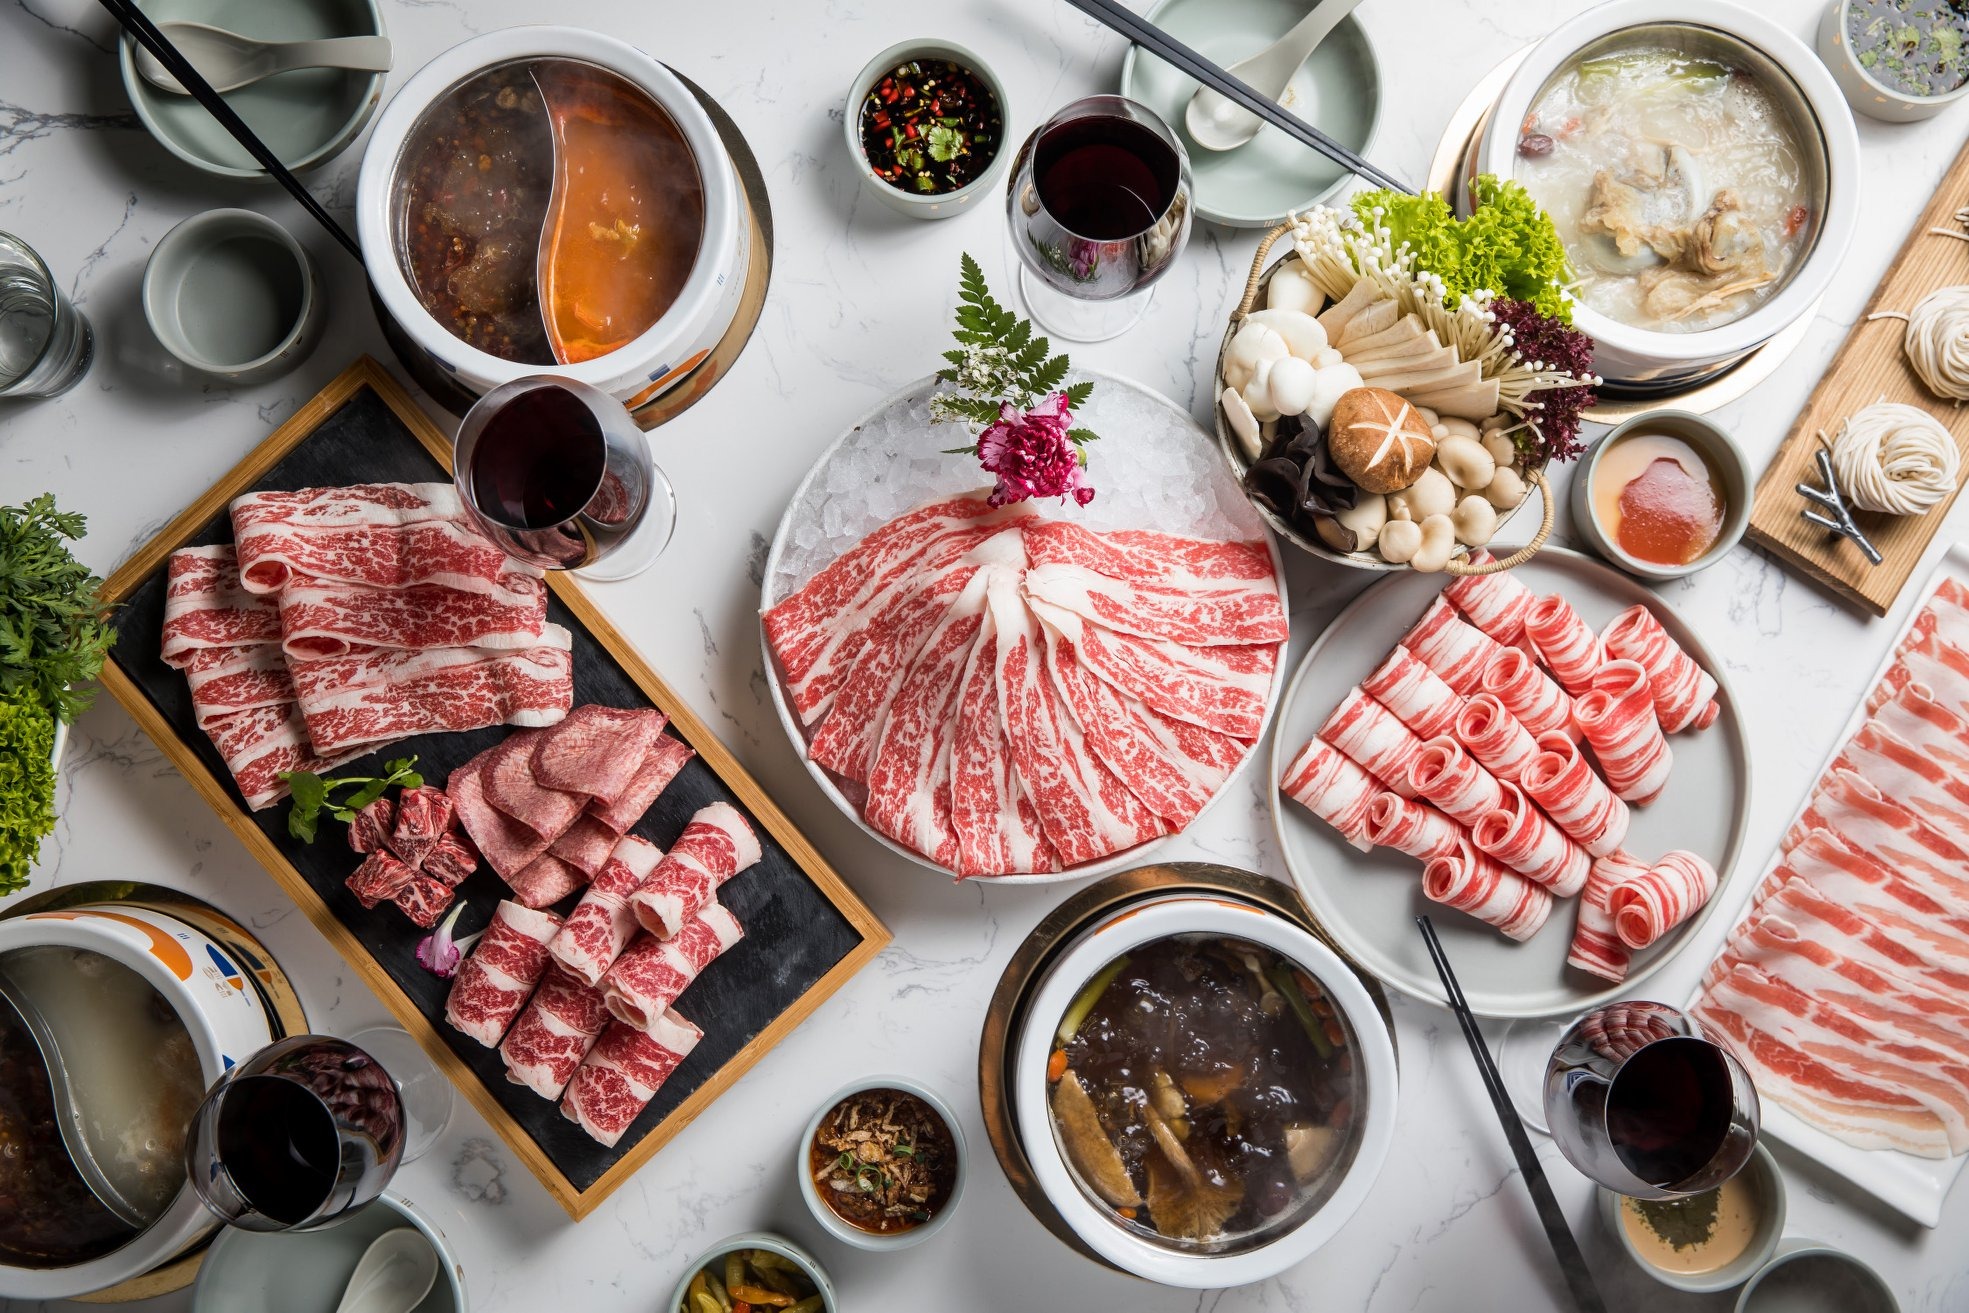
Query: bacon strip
(1473, 883)
(1673, 890)
(1519, 835)
(1415, 693)
(1328, 784)
(1569, 649)
(1596, 948)
(1446, 775)
(1618, 718)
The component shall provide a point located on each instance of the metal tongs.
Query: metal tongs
(1840, 519)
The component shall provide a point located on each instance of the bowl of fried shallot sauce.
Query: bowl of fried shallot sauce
(882, 1164)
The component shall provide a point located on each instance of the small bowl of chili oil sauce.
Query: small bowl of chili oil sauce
(1662, 496)
(926, 124)
(882, 1164)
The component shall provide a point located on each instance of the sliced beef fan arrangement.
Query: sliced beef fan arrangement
(1010, 694)
(1845, 988)
(341, 619)
(1501, 744)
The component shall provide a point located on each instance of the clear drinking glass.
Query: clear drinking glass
(305, 1131)
(1099, 206)
(558, 473)
(1646, 1101)
(46, 344)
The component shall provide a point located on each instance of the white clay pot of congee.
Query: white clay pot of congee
(547, 200)
(1197, 1016)
(225, 1021)
(1694, 111)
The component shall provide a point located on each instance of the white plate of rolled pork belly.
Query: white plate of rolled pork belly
(1544, 760)
(1844, 985)
(1038, 691)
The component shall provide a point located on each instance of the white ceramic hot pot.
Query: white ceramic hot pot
(1141, 923)
(674, 345)
(1641, 359)
(221, 1010)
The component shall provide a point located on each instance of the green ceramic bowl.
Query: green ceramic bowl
(1338, 91)
(306, 117)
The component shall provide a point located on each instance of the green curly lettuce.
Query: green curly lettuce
(1507, 247)
(27, 784)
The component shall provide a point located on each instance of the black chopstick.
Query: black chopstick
(1173, 52)
(138, 25)
(1572, 1263)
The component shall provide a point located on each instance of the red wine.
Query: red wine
(277, 1141)
(538, 460)
(1669, 1110)
(1105, 178)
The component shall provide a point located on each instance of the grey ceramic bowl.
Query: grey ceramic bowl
(305, 1271)
(1864, 92)
(232, 294)
(908, 203)
(1808, 1277)
(851, 1235)
(1766, 1185)
(306, 116)
(758, 1240)
(1732, 466)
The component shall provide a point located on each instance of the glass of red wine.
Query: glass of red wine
(559, 475)
(1646, 1101)
(302, 1133)
(1099, 205)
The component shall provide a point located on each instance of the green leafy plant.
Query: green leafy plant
(27, 784)
(1507, 247)
(53, 631)
(999, 361)
(313, 795)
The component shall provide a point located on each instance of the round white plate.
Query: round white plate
(1153, 469)
(1369, 901)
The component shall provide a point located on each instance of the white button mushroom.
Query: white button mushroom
(1302, 333)
(1366, 518)
(1243, 424)
(1258, 391)
(1462, 428)
(1466, 462)
(1475, 520)
(1429, 417)
(1432, 494)
(1292, 288)
(1500, 446)
(1327, 358)
(1506, 490)
(1251, 344)
(1438, 540)
(1399, 540)
(1291, 382)
(1331, 384)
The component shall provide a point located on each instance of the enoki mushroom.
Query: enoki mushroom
(1895, 458)
(1937, 340)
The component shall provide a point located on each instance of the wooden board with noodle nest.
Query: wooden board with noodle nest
(1871, 365)
(806, 931)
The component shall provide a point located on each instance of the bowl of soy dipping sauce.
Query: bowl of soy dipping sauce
(1714, 1240)
(925, 123)
(1663, 495)
(1808, 1277)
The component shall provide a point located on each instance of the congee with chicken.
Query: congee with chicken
(1677, 181)
(1204, 1090)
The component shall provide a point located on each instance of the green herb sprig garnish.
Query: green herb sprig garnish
(999, 360)
(313, 794)
(53, 631)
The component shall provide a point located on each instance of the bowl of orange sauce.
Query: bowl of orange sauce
(1663, 495)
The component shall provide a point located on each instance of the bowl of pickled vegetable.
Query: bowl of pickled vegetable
(1205, 1091)
(755, 1272)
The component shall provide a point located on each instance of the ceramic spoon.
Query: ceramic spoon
(1216, 123)
(396, 1272)
(230, 61)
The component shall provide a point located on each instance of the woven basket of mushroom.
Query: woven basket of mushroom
(1393, 389)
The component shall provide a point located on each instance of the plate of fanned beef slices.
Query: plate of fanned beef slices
(1034, 691)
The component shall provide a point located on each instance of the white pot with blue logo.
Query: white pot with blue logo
(226, 1019)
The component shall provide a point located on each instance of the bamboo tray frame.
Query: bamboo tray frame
(367, 373)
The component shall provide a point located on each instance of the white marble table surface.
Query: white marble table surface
(858, 301)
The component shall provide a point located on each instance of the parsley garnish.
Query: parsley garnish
(313, 794)
(53, 635)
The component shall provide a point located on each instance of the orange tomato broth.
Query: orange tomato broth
(626, 220)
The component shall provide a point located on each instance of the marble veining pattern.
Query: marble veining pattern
(859, 301)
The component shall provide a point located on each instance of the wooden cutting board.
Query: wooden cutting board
(1870, 366)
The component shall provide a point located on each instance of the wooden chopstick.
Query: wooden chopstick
(1173, 52)
(1572, 1263)
(139, 26)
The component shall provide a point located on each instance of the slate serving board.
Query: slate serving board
(804, 930)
